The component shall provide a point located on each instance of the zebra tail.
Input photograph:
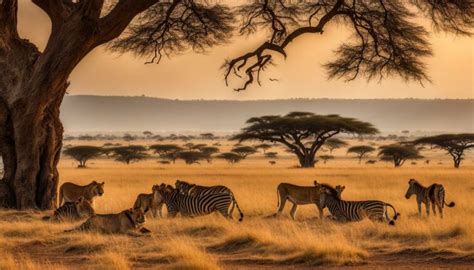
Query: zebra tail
(238, 208)
(395, 215)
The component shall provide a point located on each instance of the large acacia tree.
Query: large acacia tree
(387, 40)
(33, 82)
(455, 144)
(303, 133)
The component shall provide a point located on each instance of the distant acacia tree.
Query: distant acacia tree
(361, 150)
(166, 151)
(230, 157)
(191, 157)
(244, 151)
(207, 136)
(129, 154)
(83, 153)
(147, 134)
(263, 146)
(208, 151)
(271, 154)
(398, 153)
(128, 137)
(198, 146)
(325, 158)
(303, 133)
(455, 144)
(334, 143)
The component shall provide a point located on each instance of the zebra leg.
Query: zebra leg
(419, 209)
(293, 211)
(428, 208)
(433, 206)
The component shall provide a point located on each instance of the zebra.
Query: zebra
(196, 190)
(433, 194)
(186, 188)
(197, 205)
(346, 211)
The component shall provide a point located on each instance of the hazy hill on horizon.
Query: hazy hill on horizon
(134, 114)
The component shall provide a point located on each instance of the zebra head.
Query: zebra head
(170, 198)
(184, 187)
(412, 185)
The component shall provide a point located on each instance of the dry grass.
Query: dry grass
(211, 242)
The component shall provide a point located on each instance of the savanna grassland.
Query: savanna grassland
(260, 241)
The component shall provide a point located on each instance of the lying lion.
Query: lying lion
(128, 221)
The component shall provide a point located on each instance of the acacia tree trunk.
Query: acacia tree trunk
(307, 161)
(32, 87)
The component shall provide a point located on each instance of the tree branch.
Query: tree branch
(8, 18)
(114, 23)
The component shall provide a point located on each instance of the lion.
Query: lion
(72, 211)
(153, 202)
(129, 221)
(299, 195)
(70, 192)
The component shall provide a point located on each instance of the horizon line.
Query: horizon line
(277, 99)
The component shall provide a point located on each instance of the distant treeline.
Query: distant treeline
(135, 114)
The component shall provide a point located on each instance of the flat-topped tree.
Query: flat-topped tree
(263, 146)
(455, 144)
(166, 151)
(129, 154)
(244, 151)
(230, 157)
(208, 151)
(83, 153)
(334, 143)
(191, 157)
(398, 153)
(303, 133)
(361, 151)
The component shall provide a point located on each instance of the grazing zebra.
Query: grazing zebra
(197, 205)
(345, 211)
(433, 194)
(197, 190)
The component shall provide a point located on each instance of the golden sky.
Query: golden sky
(197, 76)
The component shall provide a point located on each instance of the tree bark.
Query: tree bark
(32, 87)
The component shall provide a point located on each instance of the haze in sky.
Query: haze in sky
(198, 76)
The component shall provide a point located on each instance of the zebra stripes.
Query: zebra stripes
(434, 195)
(346, 211)
(196, 190)
(197, 205)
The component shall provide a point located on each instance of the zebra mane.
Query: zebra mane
(416, 183)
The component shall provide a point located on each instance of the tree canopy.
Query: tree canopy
(83, 153)
(231, 157)
(166, 151)
(398, 153)
(244, 151)
(191, 157)
(361, 150)
(455, 144)
(129, 154)
(303, 133)
(334, 143)
(208, 151)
